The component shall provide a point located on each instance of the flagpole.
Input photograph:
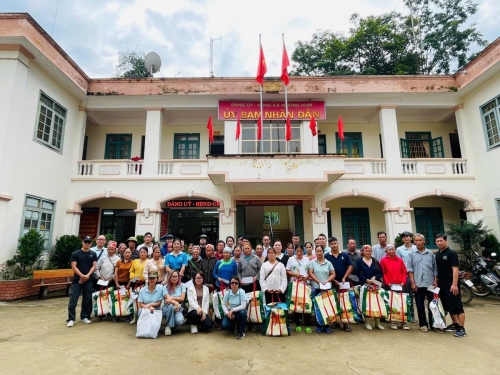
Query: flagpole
(261, 108)
(286, 103)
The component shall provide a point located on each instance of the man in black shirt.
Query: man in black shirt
(449, 287)
(83, 263)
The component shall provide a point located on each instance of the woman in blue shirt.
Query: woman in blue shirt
(151, 296)
(176, 260)
(234, 304)
(174, 293)
(224, 269)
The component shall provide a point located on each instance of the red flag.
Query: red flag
(340, 125)
(262, 68)
(285, 63)
(259, 129)
(288, 135)
(312, 126)
(238, 127)
(210, 128)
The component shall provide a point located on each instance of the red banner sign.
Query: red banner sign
(298, 110)
(192, 204)
(89, 223)
(164, 224)
(270, 202)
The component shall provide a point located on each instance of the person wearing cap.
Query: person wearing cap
(164, 248)
(132, 245)
(148, 243)
(150, 298)
(203, 245)
(402, 252)
(105, 268)
(83, 263)
(224, 269)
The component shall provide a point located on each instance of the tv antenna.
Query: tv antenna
(211, 59)
(152, 62)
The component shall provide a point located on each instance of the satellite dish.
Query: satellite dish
(153, 62)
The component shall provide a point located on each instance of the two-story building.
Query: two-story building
(125, 156)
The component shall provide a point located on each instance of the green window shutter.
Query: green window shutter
(299, 221)
(355, 224)
(437, 148)
(405, 150)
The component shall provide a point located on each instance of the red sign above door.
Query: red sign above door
(269, 202)
(188, 203)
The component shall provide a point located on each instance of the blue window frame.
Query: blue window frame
(429, 222)
(51, 120)
(118, 146)
(355, 224)
(421, 145)
(39, 215)
(187, 146)
(351, 146)
(490, 115)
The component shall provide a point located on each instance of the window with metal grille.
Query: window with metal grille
(421, 145)
(51, 118)
(351, 146)
(355, 224)
(491, 115)
(429, 222)
(273, 137)
(118, 146)
(39, 215)
(187, 146)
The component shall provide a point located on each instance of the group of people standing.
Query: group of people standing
(183, 280)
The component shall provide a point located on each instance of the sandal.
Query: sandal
(298, 329)
(309, 330)
(347, 328)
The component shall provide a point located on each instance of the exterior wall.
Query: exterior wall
(167, 138)
(436, 130)
(484, 161)
(96, 146)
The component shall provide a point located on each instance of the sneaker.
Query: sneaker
(99, 319)
(86, 321)
(168, 331)
(423, 328)
(460, 333)
(70, 324)
(394, 326)
(451, 328)
(439, 330)
(327, 330)
(194, 328)
(240, 335)
(405, 326)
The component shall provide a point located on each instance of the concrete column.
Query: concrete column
(473, 215)
(397, 220)
(79, 142)
(148, 220)
(319, 221)
(464, 139)
(227, 223)
(231, 145)
(309, 144)
(153, 141)
(390, 138)
(72, 222)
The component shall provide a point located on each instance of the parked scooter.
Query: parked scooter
(485, 281)
(465, 288)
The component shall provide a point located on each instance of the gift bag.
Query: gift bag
(299, 298)
(276, 320)
(255, 309)
(326, 306)
(399, 306)
(101, 302)
(372, 302)
(438, 314)
(348, 307)
(120, 303)
(149, 324)
(217, 303)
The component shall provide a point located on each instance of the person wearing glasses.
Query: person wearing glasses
(199, 302)
(174, 293)
(234, 306)
(83, 263)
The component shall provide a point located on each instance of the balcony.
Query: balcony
(109, 168)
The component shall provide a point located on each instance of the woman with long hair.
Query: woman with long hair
(174, 293)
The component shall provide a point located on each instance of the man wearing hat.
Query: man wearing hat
(164, 248)
(402, 252)
(83, 263)
(203, 246)
(132, 245)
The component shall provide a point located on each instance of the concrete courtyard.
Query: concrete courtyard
(34, 340)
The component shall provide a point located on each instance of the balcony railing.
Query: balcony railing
(182, 168)
(365, 166)
(110, 168)
(435, 166)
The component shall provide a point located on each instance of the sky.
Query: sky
(94, 32)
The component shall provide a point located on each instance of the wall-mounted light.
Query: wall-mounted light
(401, 211)
(190, 192)
(146, 212)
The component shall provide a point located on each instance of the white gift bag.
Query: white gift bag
(149, 324)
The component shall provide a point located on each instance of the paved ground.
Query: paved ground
(34, 340)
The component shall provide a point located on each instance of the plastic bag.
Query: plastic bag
(327, 308)
(372, 302)
(438, 314)
(149, 324)
(399, 306)
(120, 303)
(217, 304)
(276, 320)
(299, 298)
(348, 307)
(101, 302)
(255, 309)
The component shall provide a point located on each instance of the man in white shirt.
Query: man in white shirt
(266, 245)
(378, 250)
(100, 250)
(148, 243)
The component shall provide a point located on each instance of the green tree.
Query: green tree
(29, 251)
(468, 236)
(65, 246)
(132, 65)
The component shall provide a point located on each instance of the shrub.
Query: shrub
(65, 246)
(468, 236)
(29, 251)
(491, 245)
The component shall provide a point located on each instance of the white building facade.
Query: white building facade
(86, 156)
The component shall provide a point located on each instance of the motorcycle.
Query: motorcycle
(484, 280)
(466, 292)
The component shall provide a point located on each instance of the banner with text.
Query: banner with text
(298, 110)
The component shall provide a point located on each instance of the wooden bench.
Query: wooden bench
(51, 274)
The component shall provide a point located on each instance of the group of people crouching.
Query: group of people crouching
(182, 286)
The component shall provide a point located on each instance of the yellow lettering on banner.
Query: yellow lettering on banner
(243, 115)
(301, 114)
(292, 115)
(315, 114)
(250, 115)
(227, 114)
(275, 115)
(268, 115)
(308, 114)
(282, 114)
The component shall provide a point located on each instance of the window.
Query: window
(491, 115)
(321, 144)
(273, 135)
(352, 145)
(429, 222)
(271, 217)
(143, 145)
(50, 127)
(187, 146)
(421, 145)
(39, 215)
(217, 146)
(355, 224)
(118, 146)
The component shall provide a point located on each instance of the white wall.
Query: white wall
(96, 145)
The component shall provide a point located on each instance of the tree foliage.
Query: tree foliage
(132, 65)
(29, 251)
(431, 42)
(65, 246)
(468, 236)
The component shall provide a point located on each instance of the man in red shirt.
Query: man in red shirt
(393, 273)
